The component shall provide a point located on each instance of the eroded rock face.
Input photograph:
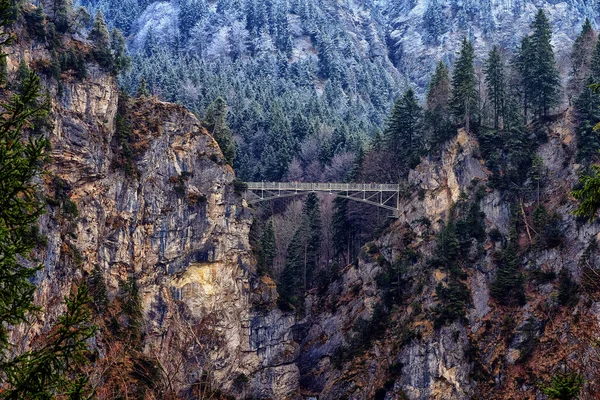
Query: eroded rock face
(167, 216)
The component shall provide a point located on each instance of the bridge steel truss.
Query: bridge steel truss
(380, 195)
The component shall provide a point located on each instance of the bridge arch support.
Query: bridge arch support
(380, 195)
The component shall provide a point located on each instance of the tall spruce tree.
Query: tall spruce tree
(121, 60)
(266, 250)
(464, 86)
(302, 258)
(342, 229)
(437, 105)
(496, 84)
(543, 85)
(581, 56)
(100, 38)
(403, 135)
(312, 219)
(587, 107)
(50, 368)
(524, 62)
(216, 123)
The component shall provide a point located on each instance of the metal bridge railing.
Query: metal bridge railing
(324, 187)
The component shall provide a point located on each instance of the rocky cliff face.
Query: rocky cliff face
(139, 191)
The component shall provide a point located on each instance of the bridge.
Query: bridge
(380, 195)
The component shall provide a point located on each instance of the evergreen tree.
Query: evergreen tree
(54, 369)
(524, 63)
(403, 135)
(342, 229)
(464, 86)
(266, 250)
(581, 56)
(62, 15)
(20, 161)
(121, 60)
(588, 194)
(587, 107)
(437, 113)
(216, 123)
(537, 65)
(142, 89)
(312, 220)
(434, 21)
(496, 84)
(45, 371)
(507, 286)
(100, 39)
(302, 258)
(595, 63)
(291, 280)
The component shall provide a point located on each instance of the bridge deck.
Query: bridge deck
(323, 187)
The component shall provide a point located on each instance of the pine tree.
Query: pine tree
(20, 162)
(100, 39)
(496, 85)
(507, 286)
(266, 251)
(581, 55)
(121, 60)
(142, 89)
(53, 370)
(595, 63)
(587, 107)
(437, 113)
(216, 123)
(524, 63)
(403, 135)
(312, 220)
(434, 21)
(464, 86)
(342, 229)
(302, 258)
(545, 85)
(62, 15)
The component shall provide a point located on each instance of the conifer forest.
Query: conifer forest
(299, 199)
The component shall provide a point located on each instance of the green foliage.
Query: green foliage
(239, 186)
(266, 250)
(20, 161)
(142, 88)
(537, 68)
(549, 228)
(215, 121)
(302, 259)
(464, 91)
(36, 20)
(437, 106)
(54, 368)
(507, 287)
(564, 386)
(131, 304)
(453, 300)
(100, 38)
(124, 136)
(588, 194)
(109, 49)
(495, 81)
(403, 135)
(98, 290)
(587, 107)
